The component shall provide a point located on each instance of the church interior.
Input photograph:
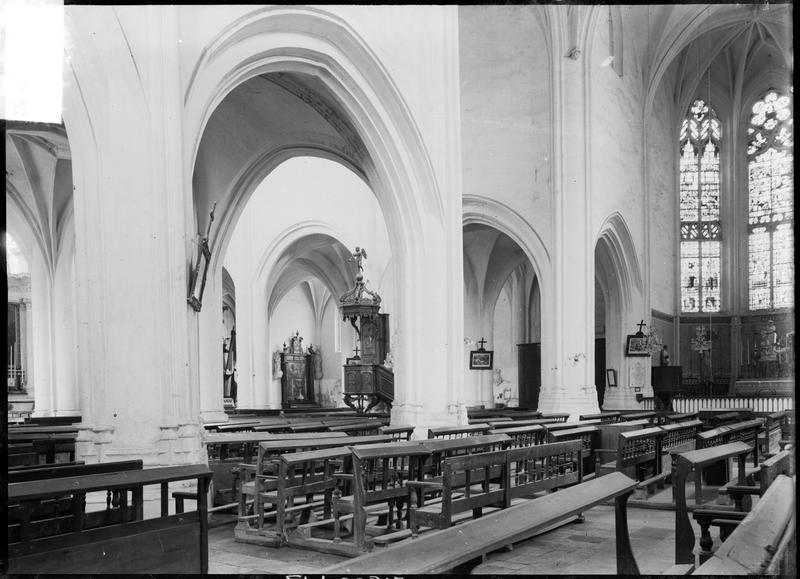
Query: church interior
(408, 288)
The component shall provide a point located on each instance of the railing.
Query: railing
(757, 403)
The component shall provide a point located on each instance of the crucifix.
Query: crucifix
(481, 342)
(640, 324)
(356, 352)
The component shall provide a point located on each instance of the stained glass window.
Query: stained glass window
(701, 231)
(770, 151)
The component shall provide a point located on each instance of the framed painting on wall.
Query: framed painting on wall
(481, 359)
(636, 345)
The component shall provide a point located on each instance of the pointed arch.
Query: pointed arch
(617, 240)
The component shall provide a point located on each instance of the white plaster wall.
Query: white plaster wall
(329, 388)
(505, 110)
(505, 371)
(617, 171)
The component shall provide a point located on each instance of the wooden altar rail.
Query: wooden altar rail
(761, 404)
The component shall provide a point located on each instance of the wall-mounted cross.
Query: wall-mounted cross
(481, 342)
(641, 324)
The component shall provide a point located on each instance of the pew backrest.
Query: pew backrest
(458, 431)
(639, 446)
(399, 432)
(544, 467)
(524, 435)
(71, 470)
(680, 435)
(604, 417)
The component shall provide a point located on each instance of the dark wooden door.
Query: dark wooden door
(600, 369)
(530, 374)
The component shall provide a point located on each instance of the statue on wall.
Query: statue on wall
(276, 365)
(316, 359)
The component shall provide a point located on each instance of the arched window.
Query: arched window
(701, 233)
(771, 208)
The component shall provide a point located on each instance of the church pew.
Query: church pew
(126, 542)
(775, 425)
(769, 470)
(440, 551)
(517, 423)
(458, 431)
(302, 475)
(524, 435)
(604, 417)
(468, 483)
(50, 471)
(557, 416)
(53, 420)
(399, 432)
(638, 455)
(379, 477)
(588, 435)
(364, 428)
(260, 477)
(746, 431)
(764, 543)
(490, 420)
(695, 461)
(627, 417)
(682, 416)
(443, 448)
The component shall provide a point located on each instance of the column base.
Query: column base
(213, 416)
(584, 401)
(423, 418)
(178, 444)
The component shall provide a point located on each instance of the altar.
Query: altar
(771, 387)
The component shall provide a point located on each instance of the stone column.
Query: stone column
(569, 385)
(42, 334)
(131, 216)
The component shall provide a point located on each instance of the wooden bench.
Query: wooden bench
(358, 428)
(775, 425)
(490, 420)
(769, 470)
(764, 543)
(468, 484)
(649, 416)
(695, 461)
(117, 540)
(399, 432)
(259, 478)
(443, 550)
(588, 435)
(53, 420)
(517, 423)
(638, 455)
(304, 475)
(62, 506)
(524, 435)
(746, 431)
(379, 477)
(604, 417)
(557, 416)
(682, 416)
(458, 431)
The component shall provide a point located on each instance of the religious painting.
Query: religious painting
(637, 345)
(481, 359)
